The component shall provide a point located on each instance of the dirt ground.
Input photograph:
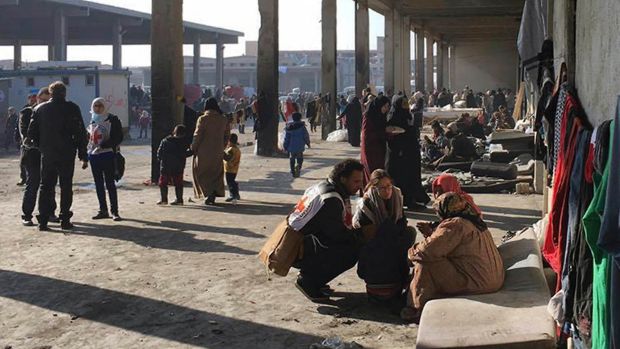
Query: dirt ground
(180, 277)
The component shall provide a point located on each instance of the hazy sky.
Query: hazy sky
(300, 29)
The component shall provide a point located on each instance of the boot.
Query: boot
(164, 195)
(179, 193)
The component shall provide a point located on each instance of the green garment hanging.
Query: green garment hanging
(600, 287)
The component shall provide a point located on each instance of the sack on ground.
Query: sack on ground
(338, 136)
(282, 249)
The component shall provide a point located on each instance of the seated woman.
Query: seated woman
(446, 183)
(383, 259)
(434, 147)
(458, 257)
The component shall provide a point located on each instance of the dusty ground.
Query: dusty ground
(188, 276)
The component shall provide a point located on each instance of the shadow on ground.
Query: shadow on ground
(164, 320)
(166, 239)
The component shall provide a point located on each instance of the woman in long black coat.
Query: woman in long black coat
(403, 156)
(353, 116)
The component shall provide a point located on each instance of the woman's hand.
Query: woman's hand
(425, 228)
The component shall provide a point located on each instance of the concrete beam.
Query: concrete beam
(430, 64)
(329, 78)
(196, 59)
(117, 45)
(267, 78)
(419, 63)
(388, 54)
(362, 47)
(166, 72)
(9, 2)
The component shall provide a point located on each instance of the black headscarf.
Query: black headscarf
(400, 116)
(375, 106)
(211, 104)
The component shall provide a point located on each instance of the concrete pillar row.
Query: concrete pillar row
(406, 56)
(267, 78)
(452, 68)
(60, 35)
(117, 44)
(419, 61)
(388, 54)
(362, 47)
(430, 64)
(440, 77)
(17, 55)
(329, 56)
(196, 59)
(445, 64)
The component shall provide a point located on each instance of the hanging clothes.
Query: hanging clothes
(609, 237)
(579, 193)
(600, 285)
(572, 120)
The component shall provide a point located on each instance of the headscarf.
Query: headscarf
(378, 210)
(451, 205)
(98, 118)
(449, 183)
(374, 109)
(399, 114)
(211, 104)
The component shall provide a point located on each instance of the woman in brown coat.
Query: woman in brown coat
(210, 138)
(457, 257)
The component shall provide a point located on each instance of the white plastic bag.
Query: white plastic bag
(338, 136)
(281, 140)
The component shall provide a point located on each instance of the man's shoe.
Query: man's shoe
(44, 227)
(54, 219)
(162, 202)
(327, 291)
(229, 199)
(66, 225)
(101, 215)
(177, 202)
(27, 223)
(116, 217)
(315, 296)
(21, 183)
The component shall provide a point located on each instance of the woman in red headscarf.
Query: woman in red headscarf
(448, 183)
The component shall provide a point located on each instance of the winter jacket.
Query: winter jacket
(232, 158)
(171, 154)
(58, 130)
(296, 137)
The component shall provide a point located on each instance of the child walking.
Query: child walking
(295, 141)
(171, 154)
(232, 158)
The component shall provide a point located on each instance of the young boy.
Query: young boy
(171, 154)
(295, 141)
(232, 158)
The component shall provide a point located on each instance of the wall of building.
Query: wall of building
(485, 65)
(597, 60)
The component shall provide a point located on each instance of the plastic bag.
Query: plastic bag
(338, 136)
(281, 140)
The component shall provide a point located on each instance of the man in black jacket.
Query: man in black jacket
(58, 130)
(331, 245)
(31, 161)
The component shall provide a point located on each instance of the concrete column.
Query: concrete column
(388, 53)
(406, 60)
(17, 55)
(117, 45)
(440, 53)
(398, 50)
(60, 35)
(196, 59)
(50, 52)
(419, 61)
(267, 134)
(166, 72)
(452, 68)
(445, 65)
(329, 78)
(362, 47)
(430, 64)
(219, 66)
